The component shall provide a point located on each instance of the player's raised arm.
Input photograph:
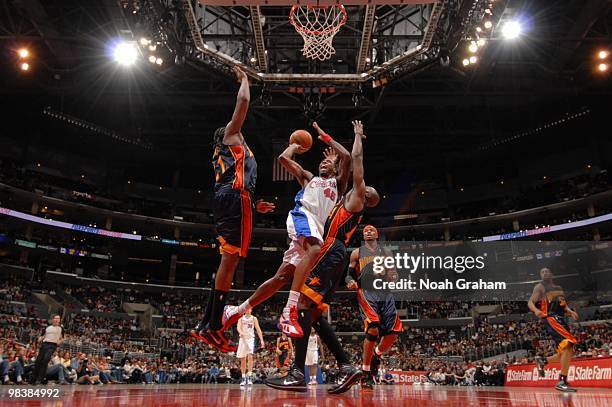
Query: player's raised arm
(351, 276)
(343, 157)
(232, 130)
(538, 290)
(356, 199)
(286, 160)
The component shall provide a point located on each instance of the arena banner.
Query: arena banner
(582, 373)
(409, 377)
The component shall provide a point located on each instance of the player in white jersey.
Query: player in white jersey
(312, 357)
(247, 325)
(305, 223)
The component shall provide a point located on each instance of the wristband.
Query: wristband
(326, 138)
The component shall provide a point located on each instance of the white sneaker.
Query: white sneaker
(243, 382)
(249, 381)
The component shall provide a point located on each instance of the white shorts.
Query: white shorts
(312, 358)
(301, 224)
(245, 347)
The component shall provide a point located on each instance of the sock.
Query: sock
(208, 309)
(563, 378)
(6, 378)
(365, 368)
(329, 338)
(377, 351)
(19, 379)
(301, 344)
(242, 308)
(217, 309)
(292, 301)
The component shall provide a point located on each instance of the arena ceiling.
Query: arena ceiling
(431, 105)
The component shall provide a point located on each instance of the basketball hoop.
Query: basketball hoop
(318, 25)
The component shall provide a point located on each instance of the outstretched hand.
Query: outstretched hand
(240, 75)
(358, 128)
(262, 206)
(331, 154)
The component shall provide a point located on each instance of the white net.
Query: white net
(318, 26)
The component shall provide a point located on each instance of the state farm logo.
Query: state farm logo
(595, 372)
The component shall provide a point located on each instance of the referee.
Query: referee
(50, 341)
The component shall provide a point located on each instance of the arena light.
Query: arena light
(466, 62)
(603, 67)
(152, 59)
(603, 54)
(23, 53)
(473, 48)
(473, 59)
(481, 42)
(24, 66)
(144, 41)
(511, 30)
(152, 47)
(125, 53)
(488, 25)
(159, 61)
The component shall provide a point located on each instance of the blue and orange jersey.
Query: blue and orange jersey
(341, 224)
(235, 167)
(553, 302)
(283, 344)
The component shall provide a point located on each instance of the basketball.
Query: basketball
(303, 138)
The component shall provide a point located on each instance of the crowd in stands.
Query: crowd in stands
(79, 189)
(104, 348)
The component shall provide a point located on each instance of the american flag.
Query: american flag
(279, 173)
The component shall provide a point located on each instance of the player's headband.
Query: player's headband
(372, 228)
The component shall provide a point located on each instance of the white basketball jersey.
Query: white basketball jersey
(247, 325)
(318, 197)
(313, 345)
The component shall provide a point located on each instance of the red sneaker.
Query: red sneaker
(230, 317)
(288, 323)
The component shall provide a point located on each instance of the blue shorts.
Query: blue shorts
(380, 314)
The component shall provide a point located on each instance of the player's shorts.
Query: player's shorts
(283, 359)
(312, 357)
(558, 329)
(245, 347)
(300, 225)
(380, 314)
(326, 273)
(233, 212)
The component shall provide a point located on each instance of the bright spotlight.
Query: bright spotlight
(152, 59)
(466, 62)
(603, 67)
(125, 53)
(23, 53)
(481, 42)
(159, 61)
(24, 66)
(152, 47)
(511, 30)
(144, 42)
(473, 47)
(488, 24)
(473, 59)
(478, 29)
(603, 54)
(253, 59)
